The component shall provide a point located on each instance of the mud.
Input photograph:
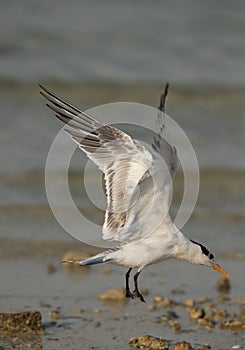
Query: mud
(86, 307)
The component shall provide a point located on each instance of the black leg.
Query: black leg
(128, 293)
(136, 291)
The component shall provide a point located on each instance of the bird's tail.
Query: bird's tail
(97, 259)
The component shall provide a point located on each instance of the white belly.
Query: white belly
(139, 254)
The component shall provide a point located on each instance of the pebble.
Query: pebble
(172, 315)
(223, 298)
(162, 319)
(52, 339)
(232, 325)
(202, 347)
(97, 324)
(97, 311)
(219, 314)
(174, 325)
(151, 307)
(203, 300)
(148, 342)
(157, 299)
(240, 301)
(189, 303)
(206, 323)
(113, 295)
(197, 312)
(182, 345)
(169, 302)
(223, 285)
(166, 302)
(55, 315)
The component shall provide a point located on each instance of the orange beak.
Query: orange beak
(220, 270)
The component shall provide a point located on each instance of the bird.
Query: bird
(138, 183)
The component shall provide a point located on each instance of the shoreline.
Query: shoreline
(68, 300)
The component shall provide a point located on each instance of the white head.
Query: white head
(203, 256)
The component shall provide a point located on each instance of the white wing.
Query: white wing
(138, 181)
(150, 202)
(123, 160)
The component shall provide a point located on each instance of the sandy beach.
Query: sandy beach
(73, 316)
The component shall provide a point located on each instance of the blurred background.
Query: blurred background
(92, 53)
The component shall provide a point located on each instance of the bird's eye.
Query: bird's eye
(211, 256)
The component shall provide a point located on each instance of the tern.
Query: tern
(138, 182)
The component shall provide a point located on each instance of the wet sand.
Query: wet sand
(73, 316)
(32, 277)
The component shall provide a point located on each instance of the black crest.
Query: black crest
(204, 250)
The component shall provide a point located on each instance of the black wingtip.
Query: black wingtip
(166, 89)
(163, 98)
(42, 90)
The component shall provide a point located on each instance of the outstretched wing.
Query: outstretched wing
(150, 206)
(123, 160)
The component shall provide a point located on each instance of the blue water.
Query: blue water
(188, 42)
